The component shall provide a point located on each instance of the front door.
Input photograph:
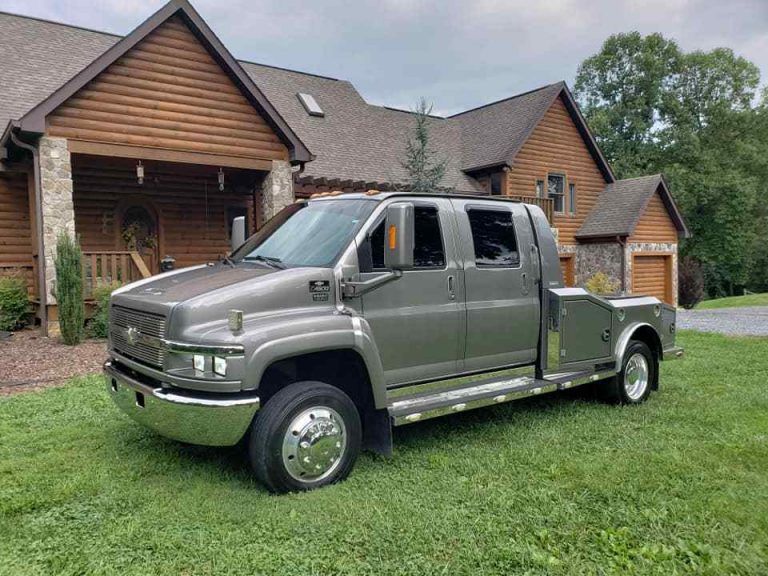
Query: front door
(417, 320)
(501, 285)
(138, 232)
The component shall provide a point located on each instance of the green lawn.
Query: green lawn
(735, 301)
(554, 485)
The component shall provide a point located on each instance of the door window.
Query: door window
(428, 250)
(493, 236)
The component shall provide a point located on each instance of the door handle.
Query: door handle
(524, 282)
(451, 288)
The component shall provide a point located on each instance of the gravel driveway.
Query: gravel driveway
(747, 321)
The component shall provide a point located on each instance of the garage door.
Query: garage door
(652, 276)
(566, 265)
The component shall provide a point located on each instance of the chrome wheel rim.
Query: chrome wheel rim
(314, 444)
(636, 376)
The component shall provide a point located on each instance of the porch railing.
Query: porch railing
(546, 204)
(101, 268)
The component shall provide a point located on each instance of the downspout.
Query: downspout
(41, 287)
(623, 243)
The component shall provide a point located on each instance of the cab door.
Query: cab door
(500, 284)
(417, 320)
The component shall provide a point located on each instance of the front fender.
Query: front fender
(311, 334)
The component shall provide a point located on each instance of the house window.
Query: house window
(539, 188)
(496, 181)
(556, 191)
(234, 212)
(572, 197)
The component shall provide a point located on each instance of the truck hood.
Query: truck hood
(196, 300)
(161, 293)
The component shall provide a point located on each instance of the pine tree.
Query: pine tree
(69, 289)
(425, 171)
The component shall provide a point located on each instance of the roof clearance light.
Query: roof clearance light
(310, 104)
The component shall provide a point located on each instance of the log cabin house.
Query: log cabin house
(147, 146)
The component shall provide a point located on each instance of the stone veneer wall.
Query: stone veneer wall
(660, 247)
(57, 208)
(592, 258)
(276, 190)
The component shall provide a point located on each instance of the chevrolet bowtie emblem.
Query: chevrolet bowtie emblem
(132, 335)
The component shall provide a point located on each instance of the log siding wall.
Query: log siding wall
(169, 93)
(556, 147)
(16, 228)
(655, 225)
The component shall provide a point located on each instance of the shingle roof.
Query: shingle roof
(622, 203)
(354, 140)
(37, 57)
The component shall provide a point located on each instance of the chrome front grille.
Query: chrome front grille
(140, 324)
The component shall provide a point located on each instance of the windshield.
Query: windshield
(314, 235)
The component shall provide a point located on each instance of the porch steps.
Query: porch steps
(409, 408)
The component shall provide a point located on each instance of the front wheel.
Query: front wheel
(308, 435)
(633, 384)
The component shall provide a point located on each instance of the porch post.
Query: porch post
(57, 209)
(276, 190)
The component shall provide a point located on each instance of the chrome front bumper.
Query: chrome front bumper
(193, 417)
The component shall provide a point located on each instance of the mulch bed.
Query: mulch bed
(29, 361)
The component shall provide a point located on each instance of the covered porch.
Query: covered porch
(134, 217)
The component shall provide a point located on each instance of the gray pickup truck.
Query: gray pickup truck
(346, 315)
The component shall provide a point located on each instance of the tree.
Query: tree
(621, 90)
(69, 289)
(691, 116)
(425, 171)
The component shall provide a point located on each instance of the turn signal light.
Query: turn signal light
(392, 237)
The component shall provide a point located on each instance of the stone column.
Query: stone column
(276, 190)
(58, 211)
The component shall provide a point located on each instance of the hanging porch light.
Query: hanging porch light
(140, 173)
(221, 180)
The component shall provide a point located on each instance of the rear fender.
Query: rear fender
(642, 331)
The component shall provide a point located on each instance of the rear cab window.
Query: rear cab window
(493, 237)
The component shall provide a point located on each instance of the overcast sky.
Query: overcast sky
(457, 54)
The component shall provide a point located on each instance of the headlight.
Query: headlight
(198, 361)
(220, 365)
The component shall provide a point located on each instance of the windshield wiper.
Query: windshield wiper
(227, 260)
(271, 260)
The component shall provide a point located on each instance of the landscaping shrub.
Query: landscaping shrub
(99, 325)
(600, 283)
(69, 289)
(14, 302)
(690, 279)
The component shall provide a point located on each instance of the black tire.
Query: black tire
(320, 413)
(619, 389)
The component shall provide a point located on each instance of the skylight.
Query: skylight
(310, 104)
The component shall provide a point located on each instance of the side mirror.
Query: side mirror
(238, 232)
(399, 236)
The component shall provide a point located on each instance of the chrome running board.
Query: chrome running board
(426, 405)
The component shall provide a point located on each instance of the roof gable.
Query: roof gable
(34, 121)
(622, 204)
(492, 135)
